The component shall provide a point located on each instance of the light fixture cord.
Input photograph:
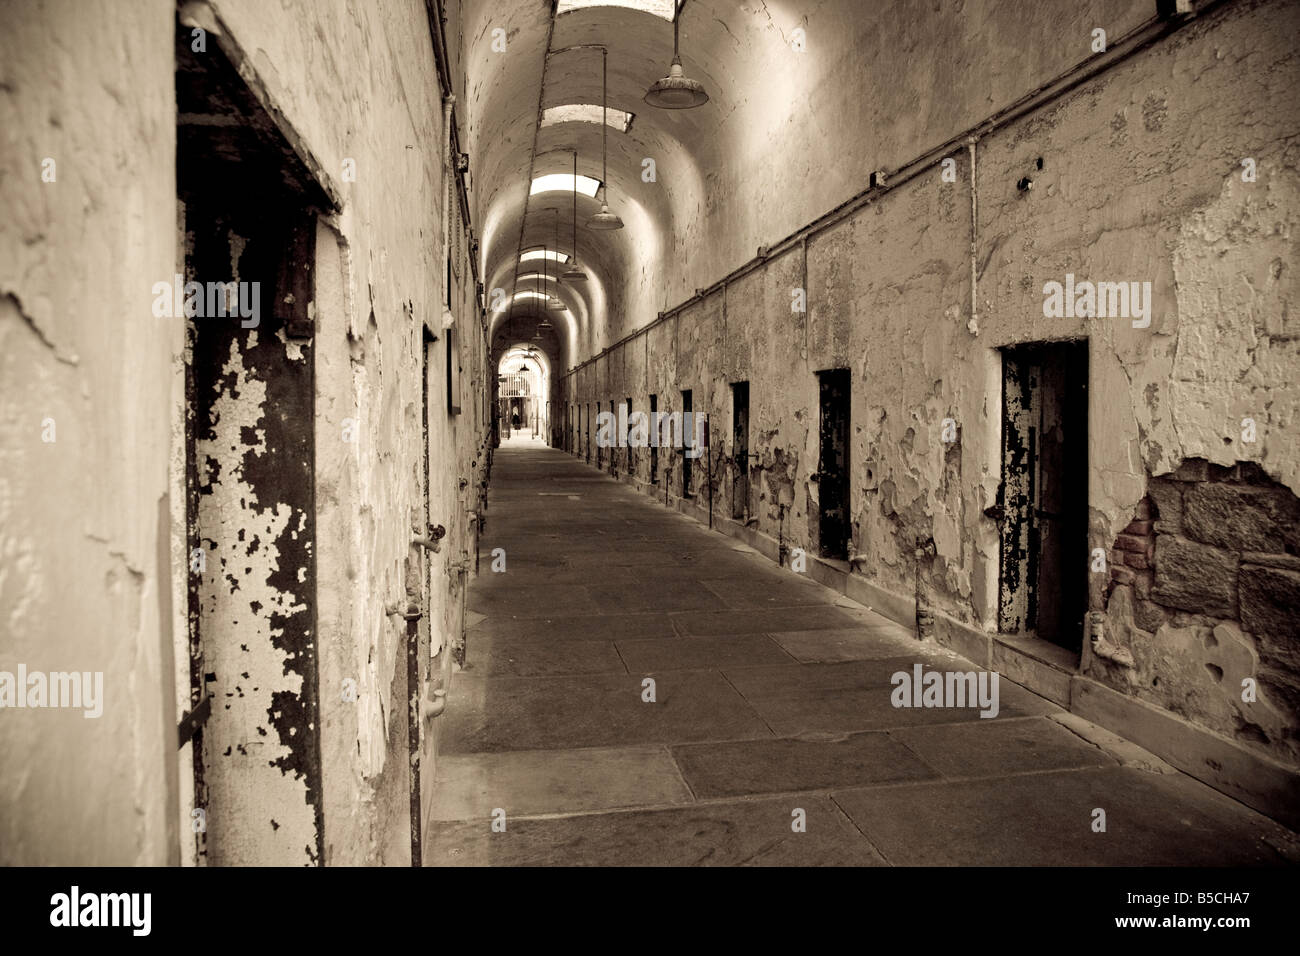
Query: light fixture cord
(676, 18)
(575, 205)
(604, 121)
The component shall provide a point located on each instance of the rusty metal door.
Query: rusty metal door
(654, 440)
(1043, 505)
(687, 431)
(252, 515)
(740, 450)
(630, 451)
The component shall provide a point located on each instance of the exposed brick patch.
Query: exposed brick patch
(1204, 591)
(1132, 542)
(1133, 549)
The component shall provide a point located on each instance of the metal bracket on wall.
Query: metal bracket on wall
(193, 721)
(433, 708)
(433, 542)
(411, 612)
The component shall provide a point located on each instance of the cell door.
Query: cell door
(688, 433)
(740, 450)
(629, 451)
(1043, 507)
(833, 465)
(247, 208)
(654, 440)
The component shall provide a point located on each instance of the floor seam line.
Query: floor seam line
(853, 823)
(738, 691)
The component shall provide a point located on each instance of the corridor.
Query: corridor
(666, 432)
(771, 695)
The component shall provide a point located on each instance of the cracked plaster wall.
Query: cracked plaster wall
(88, 523)
(359, 82)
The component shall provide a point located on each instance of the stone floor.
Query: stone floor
(772, 696)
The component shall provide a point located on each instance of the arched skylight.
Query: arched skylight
(550, 254)
(586, 113)
(522, 295)
(660, 8)
(564, 182)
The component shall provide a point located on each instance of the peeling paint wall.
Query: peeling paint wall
(1140, 179)
(84, 514)
(100, 513)
(360, 83)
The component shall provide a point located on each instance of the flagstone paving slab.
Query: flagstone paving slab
(1003, 747)
(679, 653)
(756, 833)
(556, 781)
(488, 656)
(789, 764)
(1048, 819)
(524, 713)
(858, 643)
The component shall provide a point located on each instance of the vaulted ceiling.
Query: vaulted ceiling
(630, 277)
(806, 98)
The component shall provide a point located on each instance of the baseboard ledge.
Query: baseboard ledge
(1250, 778)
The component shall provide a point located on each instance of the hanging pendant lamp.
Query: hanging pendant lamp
(604, 220)
(574, 273)
(676, 91)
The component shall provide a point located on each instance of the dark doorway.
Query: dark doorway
(248, 207)
(654, 440)
(1043, 506)
(740, 450)
(613, 448)
(631, 458)
(687, 433)
(833, 466)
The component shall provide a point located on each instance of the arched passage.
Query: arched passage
(523, 392)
